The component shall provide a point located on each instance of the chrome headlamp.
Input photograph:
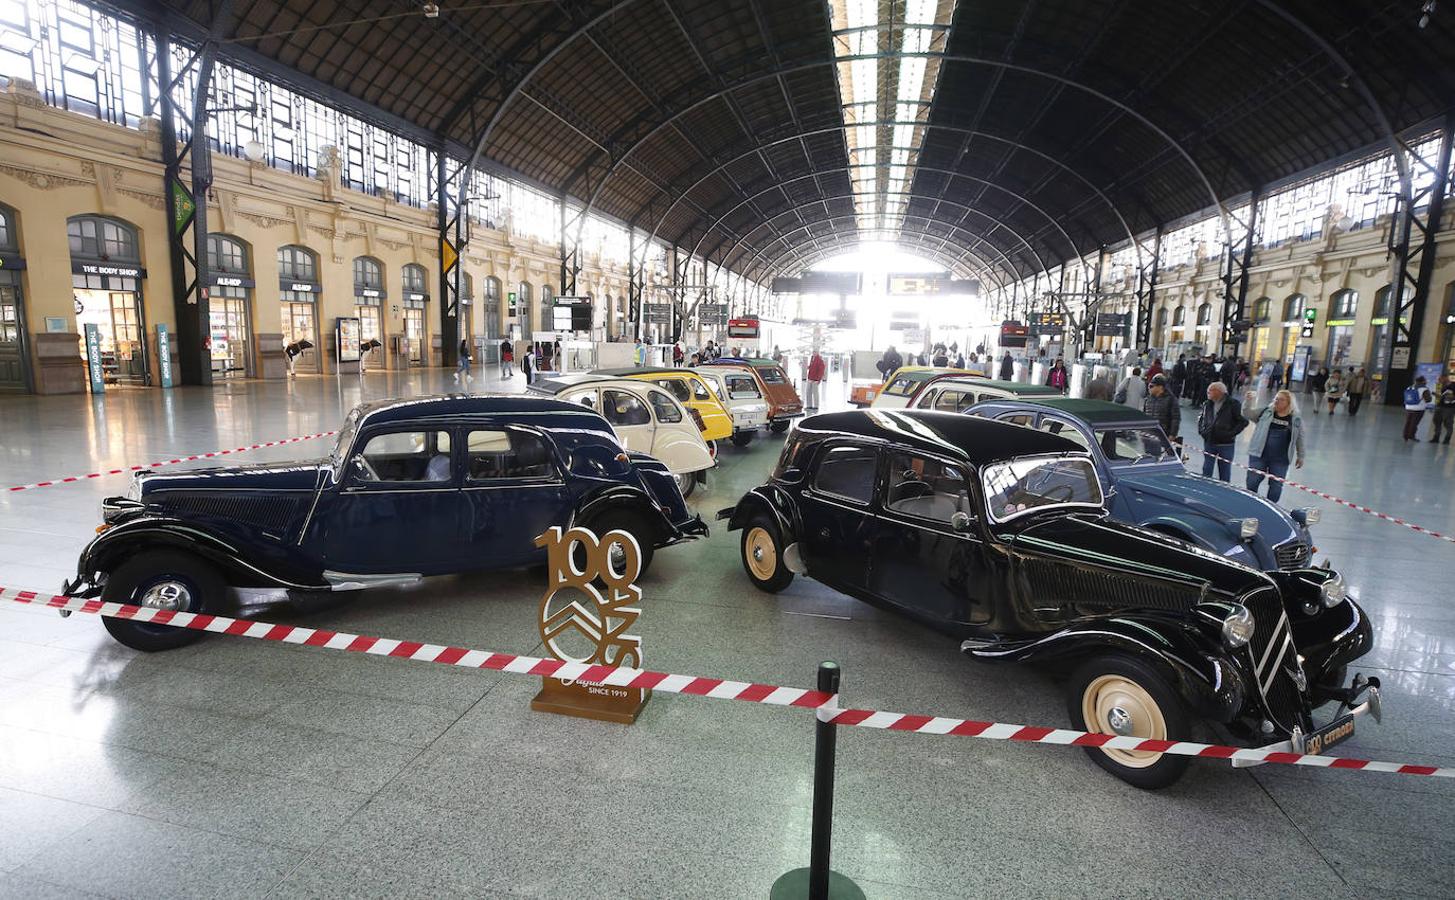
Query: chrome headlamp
(1238, 628)
(133, 491)
(1247, 528)
(1306, 515)
(1334, 591)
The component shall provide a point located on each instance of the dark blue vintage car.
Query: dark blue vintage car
(1147, 484)
(428, 486)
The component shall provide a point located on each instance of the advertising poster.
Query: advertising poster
(93, 358)
(164, 355)
(347, 338)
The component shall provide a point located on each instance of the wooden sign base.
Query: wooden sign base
(602, 702)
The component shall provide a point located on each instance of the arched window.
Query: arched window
(492, 291)
(368, 274)
(522, 301)
(1179, 316)
(297, 264)
(1262, 309)
(8, 239)
(97, 237)
(1204, 314)
(415, 281)
(1293, 307)
(227, 254)
(548, 298)
(1344, 304)
(1162, 319)
(467, 288)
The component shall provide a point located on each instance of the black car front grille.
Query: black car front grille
(1273, 658)
(272, 513)
(1291, 555)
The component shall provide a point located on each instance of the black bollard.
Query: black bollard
(818, 881)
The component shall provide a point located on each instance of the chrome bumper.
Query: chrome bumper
(1298, 741)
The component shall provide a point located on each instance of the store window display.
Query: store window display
(106, 281)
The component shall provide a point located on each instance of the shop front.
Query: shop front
(369, 297)
(14, 339)
(1343, 306)
(299, 290)
(230, 302)
(106, 287)
(415, 350)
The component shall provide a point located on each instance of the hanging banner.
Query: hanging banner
(164, 355)
(183, 206)
(448, 255)
(93, 358)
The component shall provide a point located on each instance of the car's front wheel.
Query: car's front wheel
(686, 483)
(1125, 696)
(162, 579)
(630, 523)
(762, 546)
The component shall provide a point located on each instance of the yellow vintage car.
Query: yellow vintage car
(693, 392)
(901, 387)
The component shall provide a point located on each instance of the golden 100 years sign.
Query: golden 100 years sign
(585, 616)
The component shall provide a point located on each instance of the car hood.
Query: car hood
(1211, 498)
(1096, 540)
(304, 475)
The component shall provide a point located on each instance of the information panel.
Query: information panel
(571, 314)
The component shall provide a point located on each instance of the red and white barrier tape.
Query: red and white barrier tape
(1339, 500)
(70, 479)
(825, 704)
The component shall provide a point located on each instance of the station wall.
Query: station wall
(55, 165)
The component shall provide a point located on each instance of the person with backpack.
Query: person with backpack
(1219, 424)
(1416, 398)
(1133, 390)
(462, 364)
(1277, 439)
(890, 362)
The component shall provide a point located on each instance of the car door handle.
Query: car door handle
(823, 533)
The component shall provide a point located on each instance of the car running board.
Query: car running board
(344, 581)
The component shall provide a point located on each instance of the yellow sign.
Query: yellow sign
(589, 605)
(448, 255)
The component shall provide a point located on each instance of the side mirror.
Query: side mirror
(960, 521)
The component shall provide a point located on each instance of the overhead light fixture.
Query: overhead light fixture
(254, 151)
(431, 10)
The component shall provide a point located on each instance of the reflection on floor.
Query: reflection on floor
(249, 769)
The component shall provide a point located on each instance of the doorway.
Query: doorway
(118, 318)
(14, 359)
(414, 336)
(229, 333)
(299, 325)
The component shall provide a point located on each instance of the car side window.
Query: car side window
(664, 407)
(699, 390)
(403, 456)
(1053, 425)
(901, 387)
(496, 453)
(621, 408)
(587, 399)
(1022, 419)
(954, 401)
(676, 386)
(926, 488)
(847, 471)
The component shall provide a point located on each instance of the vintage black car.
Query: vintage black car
(999, 536)
(429, 486)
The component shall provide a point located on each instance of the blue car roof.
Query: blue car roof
(544, 412)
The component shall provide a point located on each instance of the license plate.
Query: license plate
(1336, 732)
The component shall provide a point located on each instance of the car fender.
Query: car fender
(240, 569)
(681, 449)
(772, 500)
(1181, 528)
(1208, 682)
(623, 498)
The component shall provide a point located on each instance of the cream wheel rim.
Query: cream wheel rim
(1113, 704)
(760, 554)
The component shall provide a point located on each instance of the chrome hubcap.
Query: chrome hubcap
(1120, 721)
(758, 553)
(170, 595)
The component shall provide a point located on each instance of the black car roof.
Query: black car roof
(1092, 412)
(970, 438)
(542, 411)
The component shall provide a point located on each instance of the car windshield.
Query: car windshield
(1128, 446)
(742, 387)
(1018, 486)
(771, 375)
(345, 441)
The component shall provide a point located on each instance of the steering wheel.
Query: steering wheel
(369, 469)
(1070, 492)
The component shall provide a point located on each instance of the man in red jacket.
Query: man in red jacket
(816, 372)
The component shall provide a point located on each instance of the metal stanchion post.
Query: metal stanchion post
(818, 881)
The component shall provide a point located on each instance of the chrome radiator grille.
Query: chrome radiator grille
(1273, 658)
(1291, 555)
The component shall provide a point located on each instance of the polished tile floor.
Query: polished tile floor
(239, 768)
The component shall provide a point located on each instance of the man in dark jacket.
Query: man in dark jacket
(1007, 367)
(890, 361)
(1219, 424)
(1162, 406)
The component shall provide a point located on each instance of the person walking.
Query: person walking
(940, 356)
(1416, 398)
(677, 354)
(1356, 388)
(1317, 383)
(817, 369)
(1057, 377)
(1277, 438)
(1155, 368)
(1179, 374)
(1161, 405)
(1333, 390)
(507, 358)
(1007, 367)
(890, 362)
(1133, 390)
(1219, 424)
(1099, 388)
(528, 363)
(1444, 411)
(462, 363)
